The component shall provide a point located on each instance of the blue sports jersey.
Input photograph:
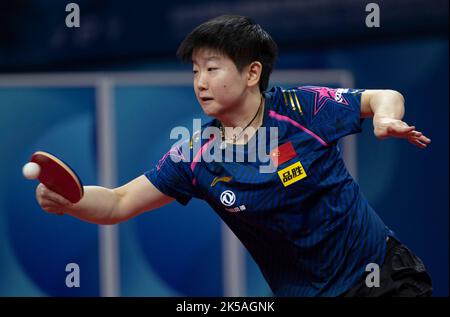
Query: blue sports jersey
(307, 225)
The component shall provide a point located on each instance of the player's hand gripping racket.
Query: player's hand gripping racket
(55, 175)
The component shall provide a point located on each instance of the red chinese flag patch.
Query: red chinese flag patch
(282, 154)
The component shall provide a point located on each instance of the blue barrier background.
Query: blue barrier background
(35, 246)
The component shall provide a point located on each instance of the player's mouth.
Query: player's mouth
(206, 99)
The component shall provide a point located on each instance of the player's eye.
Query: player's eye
(212, 68)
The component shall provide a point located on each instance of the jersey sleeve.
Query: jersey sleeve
(173, 176)
(328, 112)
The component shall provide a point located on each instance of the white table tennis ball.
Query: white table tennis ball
(31, 170)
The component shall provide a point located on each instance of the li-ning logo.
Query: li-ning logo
(228, 198)
(225, 179)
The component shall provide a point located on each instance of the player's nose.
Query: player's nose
(201, 82)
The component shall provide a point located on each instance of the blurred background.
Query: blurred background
(114, 86)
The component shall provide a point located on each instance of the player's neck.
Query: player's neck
(243, 114)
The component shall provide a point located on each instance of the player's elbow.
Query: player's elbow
(117, 213)
(126, 206)
(394, 95)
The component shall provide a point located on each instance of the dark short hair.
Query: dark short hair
(237, 37)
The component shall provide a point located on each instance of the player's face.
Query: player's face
(218, 84)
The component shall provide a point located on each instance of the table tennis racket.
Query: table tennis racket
(58, 176)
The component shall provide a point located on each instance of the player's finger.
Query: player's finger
(406, 129)
(58, 199)
(413, 142)
(52, 207)
(48, 194)
(419, 135)
(400, 131)
(54, 211)
(424, 139)
(417, 143)
(415, 133)
(38, 192)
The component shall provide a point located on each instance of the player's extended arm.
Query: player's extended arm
(387, 108)
(105, 206)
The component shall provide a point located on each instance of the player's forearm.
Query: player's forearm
(98, 205)
(387, 104)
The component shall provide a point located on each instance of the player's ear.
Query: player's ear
(254, 74)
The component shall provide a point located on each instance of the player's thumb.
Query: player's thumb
(46, 195)
(40, 188)
(408, 129)
(403, 131)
